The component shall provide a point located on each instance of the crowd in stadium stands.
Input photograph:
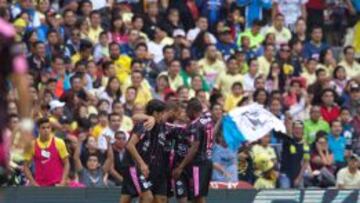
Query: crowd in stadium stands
(94, 64)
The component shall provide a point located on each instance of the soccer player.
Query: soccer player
(196, 163)
(177, 144)
(179, 140)
(145, 157)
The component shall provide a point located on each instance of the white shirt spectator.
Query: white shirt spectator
(107, 132)
(348, 180)
(248, 83)
(156, 50)
(193, 33)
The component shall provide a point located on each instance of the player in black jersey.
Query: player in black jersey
(145, 157)
(179, 142)
(196, 163)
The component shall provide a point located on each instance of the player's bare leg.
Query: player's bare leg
(160, 199)
(146, 197)
(125, 199)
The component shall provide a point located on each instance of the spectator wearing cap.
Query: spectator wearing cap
(351, 66)
(226, 44)
(349, 176)
(315, 45)
(253, 34)
(95, 27)
(261, 149)
(50, 158)
(226, 79)
(268, 176)
(122, 62)
(338, 144)
(354, 101)
(57, 112)
(314, 124)
(180, 41)
(282, 33)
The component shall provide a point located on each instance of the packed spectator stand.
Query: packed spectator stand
(94, 64)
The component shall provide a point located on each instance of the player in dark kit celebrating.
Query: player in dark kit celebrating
(197, 164)
(145, 159)
(178, 138)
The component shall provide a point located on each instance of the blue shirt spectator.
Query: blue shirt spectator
(227, 160)
(314, 46)
(312, 50)
(337, 145)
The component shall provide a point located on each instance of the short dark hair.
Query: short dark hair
(236, 84)
(167, 47)
(42, 121)
(347, 48)
(194, 106)
(141, 45)
(318, 71)
(75, 76)
(334, 121)
(94, 12)
(153, 106)
(55, 57)
(85, 44)
(112, 115)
